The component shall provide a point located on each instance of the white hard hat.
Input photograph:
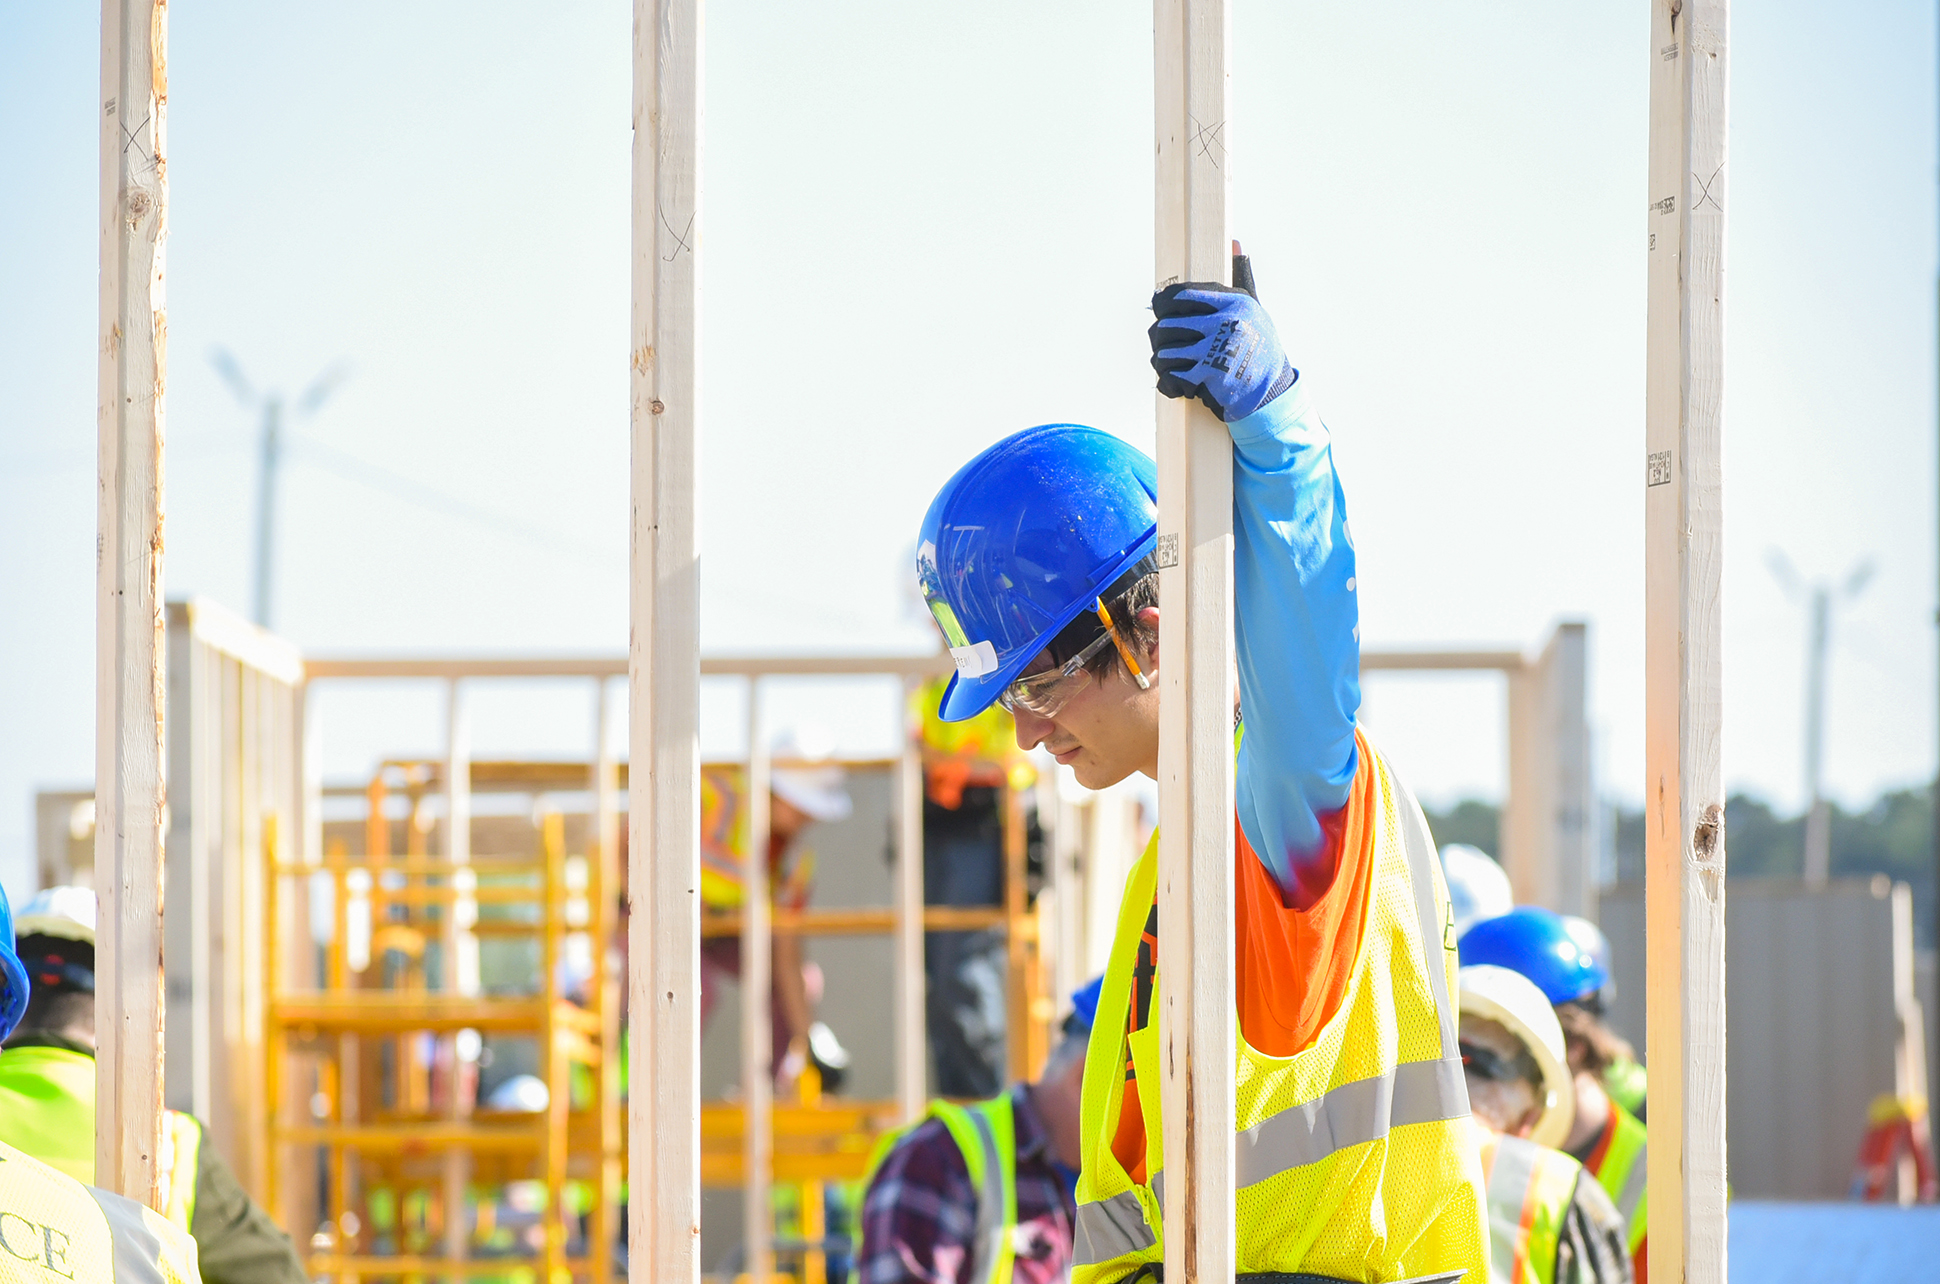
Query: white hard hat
(67, 912)
(819, 792)
(1512, 1001)
(1477, 887)
(525, 1093)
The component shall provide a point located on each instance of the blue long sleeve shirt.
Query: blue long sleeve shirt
(1297, 624)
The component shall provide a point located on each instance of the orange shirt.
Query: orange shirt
(1292, 965)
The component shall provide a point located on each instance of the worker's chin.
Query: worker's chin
(1093, 773)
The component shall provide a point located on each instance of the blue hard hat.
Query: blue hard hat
(1023, 538)
(1539, 945)
(13, 977)
(1084, 1005)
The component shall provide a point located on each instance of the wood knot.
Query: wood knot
(1708, 840)
(655, 406)
(139, 203)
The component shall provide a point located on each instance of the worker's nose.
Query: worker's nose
(1031, 729)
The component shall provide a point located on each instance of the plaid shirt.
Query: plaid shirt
(920, 1215)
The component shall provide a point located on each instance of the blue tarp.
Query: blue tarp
(1774, 1243)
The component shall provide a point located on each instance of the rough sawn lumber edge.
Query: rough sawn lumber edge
(1683, 524)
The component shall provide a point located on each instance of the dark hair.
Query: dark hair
(54, 1000)
(1134, 591)
(1584, 1032)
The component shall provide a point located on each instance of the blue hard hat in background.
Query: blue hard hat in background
(1541, 946)
(1084, 1006)
(1023, 538)
(13, 977)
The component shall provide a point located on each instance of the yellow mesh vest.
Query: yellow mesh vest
(1355, 1158)
(47, 1110)
(1530, 1189)
(1621, 1174)
(53, 1228)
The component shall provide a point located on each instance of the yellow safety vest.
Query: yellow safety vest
(1530, 1189)
(54, 1228)
(986, 1133)
(1621, 1171)
(47, 1111)
(1355, 1158)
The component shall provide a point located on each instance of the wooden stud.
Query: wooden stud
(757, 1033)
(460, 964)
(606, 885)
(1684, 848)
(664, 658)
(1195, 554)
(130, 669)
(912, 1060)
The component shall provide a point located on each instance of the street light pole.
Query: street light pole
(271, 456)
(272, 450)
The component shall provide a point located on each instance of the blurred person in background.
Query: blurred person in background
(47, 1101)
(1549, 1221)
(1608, 1139)
(971, 770)
(985, 1191)
(803, 787)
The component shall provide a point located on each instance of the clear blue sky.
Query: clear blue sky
(927, 226)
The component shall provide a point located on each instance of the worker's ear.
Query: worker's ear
(1148, 627)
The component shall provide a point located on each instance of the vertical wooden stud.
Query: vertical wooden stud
(1195, 554)
(912, 1086)
(460, 964)
(1684, 847)
(664, 656)
(130, 669)
(605, 918)
(757, 1034)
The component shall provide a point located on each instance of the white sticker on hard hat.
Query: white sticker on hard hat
(975, 660)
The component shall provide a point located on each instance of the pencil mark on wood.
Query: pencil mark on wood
(1704, 190)
(1207, 139)
(680, 237)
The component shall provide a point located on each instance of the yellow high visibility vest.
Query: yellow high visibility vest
(53, 1228)
(47, 1111)
(1530, 1189)
(1355, 1158)
(986, 1133)
(1621, 1169)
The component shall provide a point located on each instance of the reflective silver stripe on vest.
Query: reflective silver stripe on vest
(1633, 1186)
(1109, 1228)
(137, 1249)
(1515, 1168)
(1420, 846)
(992, 1228)
(1414, 1092)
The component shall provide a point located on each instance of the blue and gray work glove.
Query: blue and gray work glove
(1217, 343)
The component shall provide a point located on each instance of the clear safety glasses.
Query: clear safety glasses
(1047, 691)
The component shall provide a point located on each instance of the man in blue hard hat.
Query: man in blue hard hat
(1038, 561)
(985, 1191)
(1607, 1139)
